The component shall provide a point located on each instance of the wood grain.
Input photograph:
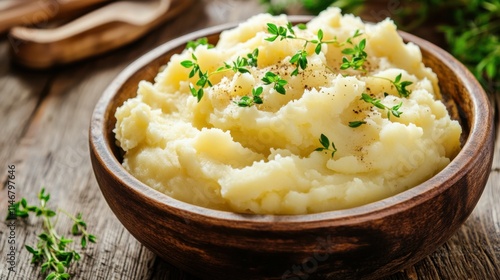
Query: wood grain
(44, 118)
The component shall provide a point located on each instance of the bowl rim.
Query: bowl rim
(482, 116)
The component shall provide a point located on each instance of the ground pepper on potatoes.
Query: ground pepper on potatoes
(337, 138)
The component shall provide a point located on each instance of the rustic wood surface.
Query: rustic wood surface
(44, 121)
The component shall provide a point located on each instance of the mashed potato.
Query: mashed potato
(262, 158)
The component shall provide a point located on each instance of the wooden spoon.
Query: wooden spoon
(102, 30)
(32, 12)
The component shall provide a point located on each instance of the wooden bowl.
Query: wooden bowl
(365, 242)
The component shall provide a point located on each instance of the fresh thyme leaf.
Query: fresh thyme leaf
(187, 63)
(240, 65)
(320, 35)
(325, 142)
(394, 110)
(301, 26)
(325, 145)
(52, 250)
(355, 124)
(357, 54)
(246, 101)
(272, 78)
(399, 85)
(277, 32)
(300, 61)
(289, 26)
(199, 42)
(252, 58)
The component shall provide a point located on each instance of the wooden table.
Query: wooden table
(44, 121)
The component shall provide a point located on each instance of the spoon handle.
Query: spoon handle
(102, 30)
(33, 12)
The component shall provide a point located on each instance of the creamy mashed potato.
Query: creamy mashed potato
(262, 159)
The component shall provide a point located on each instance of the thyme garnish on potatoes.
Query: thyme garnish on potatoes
(239, 66)
(325, 145)
(394, 110)
(279, 83)
(354, 58)
(268, 79)
(357, 54)
(399, 85)
(247, 101)
(52, 249)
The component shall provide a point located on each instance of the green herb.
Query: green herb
(200, 42)
(355, 124)
(299, 59)
(52, 248)
(203, 77)
(247, 101)
(357, 54)
(394, 110)
(325, 145)
(239, 66)
(279, 83)
(252, 58)
(399, 85)
(473, 36)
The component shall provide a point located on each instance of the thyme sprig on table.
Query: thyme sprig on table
(52, 249)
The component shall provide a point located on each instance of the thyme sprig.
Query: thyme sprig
(52, 248)
(247, 101)
(355, 124)
(399, 85)
(356, 53)
(240, 65)
(269, 78)
(277, 82)
(326, 145)
(199, 42)
(394, 110)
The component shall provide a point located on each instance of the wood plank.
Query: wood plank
(21, 91)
